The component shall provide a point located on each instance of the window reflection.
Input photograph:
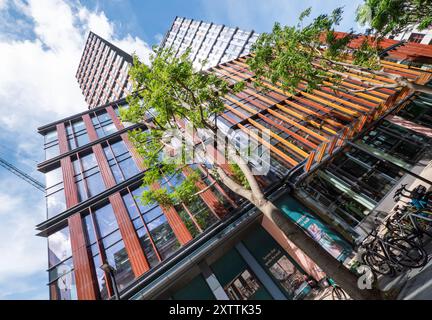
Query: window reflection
(51, 145)
(76, 134)
(55, 196)
(107, 235)
(64, 288)
(102, 123)
(120, 161)
(106, 220)
(61, 275)
(87, 176)
(59, 246)
(157, 237)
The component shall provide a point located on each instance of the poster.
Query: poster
(327, 238)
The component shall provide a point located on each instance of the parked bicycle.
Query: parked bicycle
(385, 254)
(336, 291)
(411, 222)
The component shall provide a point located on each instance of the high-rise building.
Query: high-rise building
(214, 43)
(103, 71)
(342, 153)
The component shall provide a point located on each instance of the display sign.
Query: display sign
(326, 237)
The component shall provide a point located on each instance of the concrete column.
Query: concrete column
(261, 274)
(213, 282)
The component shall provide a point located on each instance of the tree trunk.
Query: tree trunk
(331, 266)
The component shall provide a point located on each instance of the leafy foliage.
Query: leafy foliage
(390, 17)
(167, 92)
(286, 56)
(239, 176)
(312, 56)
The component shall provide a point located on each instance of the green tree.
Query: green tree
(391, 17)
(315, 55)
(168, 94)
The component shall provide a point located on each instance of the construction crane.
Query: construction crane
(21, 174)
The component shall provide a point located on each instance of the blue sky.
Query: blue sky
(148, 19)
(40, 48)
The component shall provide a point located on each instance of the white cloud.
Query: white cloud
(39, 54)
(2, 4)
(22, 252)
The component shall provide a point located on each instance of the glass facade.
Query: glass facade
(103, 71)
(120, 160)
(356, 181)
(106, 246)
(87, 176)
(156, 236)
(211, 42)
(51, 144)
(76, 134)
(61, 276)
(55, 196)
(102, 123)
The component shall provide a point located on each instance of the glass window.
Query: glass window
(87, 176)
(88, 222)
(149, 250)
(51, 144)
(103, 123)
(117, 258)
(76, 134)
(243, 287)
(161, 234)
(55, 196)
(59, 246)
(61, 275)
(53, 177)
(109, 239)
(106, 220)
(120, 161)
(396, 141)
(64, 287)
(416, 37)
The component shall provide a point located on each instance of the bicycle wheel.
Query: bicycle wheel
(423, 225)
(378, 263)
(338, 293)
(406, 253)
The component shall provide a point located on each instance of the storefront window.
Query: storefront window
(284, 271)
(243, 287)
(238, 281)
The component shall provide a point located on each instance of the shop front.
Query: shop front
(255, 267)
